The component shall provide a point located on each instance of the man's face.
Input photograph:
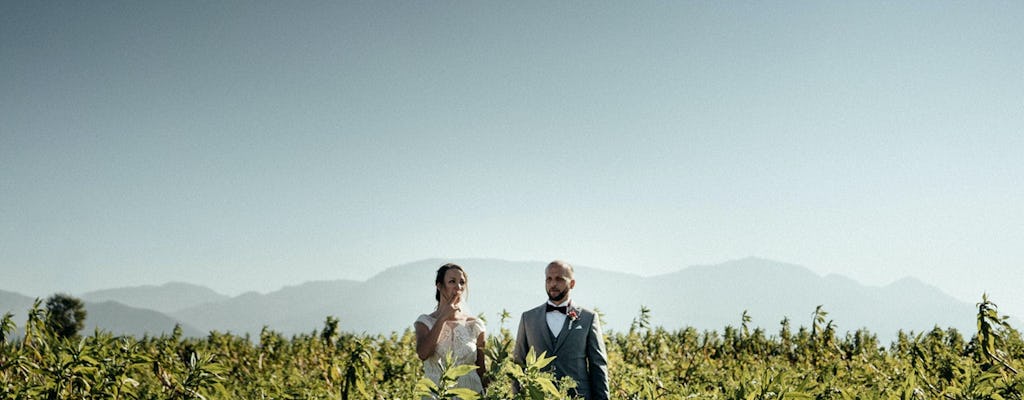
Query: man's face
(558, 283)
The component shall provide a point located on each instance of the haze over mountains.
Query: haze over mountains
(111, 316)
(705, 297)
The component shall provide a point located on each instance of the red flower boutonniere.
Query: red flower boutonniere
(572, 314)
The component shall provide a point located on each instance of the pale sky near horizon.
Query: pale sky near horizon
(254, 145)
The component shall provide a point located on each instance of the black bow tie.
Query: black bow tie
(561, 309)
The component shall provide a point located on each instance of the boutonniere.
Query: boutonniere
(573, 314)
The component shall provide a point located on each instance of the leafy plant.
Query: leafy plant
(533, 382)
(646, 362)
(446, 387)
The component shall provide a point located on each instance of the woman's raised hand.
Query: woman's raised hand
(449, 309)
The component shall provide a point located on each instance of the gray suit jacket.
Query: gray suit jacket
(579, 348)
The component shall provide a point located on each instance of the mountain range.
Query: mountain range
(111, 316)
(707, 297)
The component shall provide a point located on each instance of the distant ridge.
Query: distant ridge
(120, 319)
(706, 297)
(293, 309)
(16, 304)
(109, 316)
(166, 298)
(717, 295)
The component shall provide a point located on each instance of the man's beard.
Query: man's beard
(557, 297)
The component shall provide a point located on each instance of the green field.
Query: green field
(806, 360)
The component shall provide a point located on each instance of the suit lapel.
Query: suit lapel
(562, 334)
(542, 327)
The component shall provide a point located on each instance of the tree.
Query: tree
(65, 314)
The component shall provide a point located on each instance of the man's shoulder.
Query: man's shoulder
(587, 313)
(584, 310)
(536, 309)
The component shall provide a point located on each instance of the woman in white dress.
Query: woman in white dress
(450, 329)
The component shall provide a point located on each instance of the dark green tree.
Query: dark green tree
(330, 333)
(65, 314)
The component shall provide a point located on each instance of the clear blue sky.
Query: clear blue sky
(252, 145)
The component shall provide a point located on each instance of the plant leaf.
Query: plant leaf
(464, 394)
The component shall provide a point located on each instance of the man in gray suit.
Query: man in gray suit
(567, 331)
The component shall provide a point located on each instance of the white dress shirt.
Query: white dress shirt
(555, 318)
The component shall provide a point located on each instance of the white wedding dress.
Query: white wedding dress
(459, 338)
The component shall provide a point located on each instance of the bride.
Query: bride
(450, 329)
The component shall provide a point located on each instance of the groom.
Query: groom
(567, 331)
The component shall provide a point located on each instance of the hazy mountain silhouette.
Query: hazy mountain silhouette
(707, 297)
(119, 319)
(389, 301)
(715, 296)
(293, 309)
(16, 304)
(109, 316)
(166, 298)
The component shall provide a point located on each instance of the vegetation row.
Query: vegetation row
(51, 360)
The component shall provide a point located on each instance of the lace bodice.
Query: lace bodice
(459, 338)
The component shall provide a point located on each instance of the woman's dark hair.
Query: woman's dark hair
(440, 277)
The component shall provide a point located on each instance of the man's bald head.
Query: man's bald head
(563, 265)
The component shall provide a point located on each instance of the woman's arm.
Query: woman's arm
(426, 339)
(481, 342)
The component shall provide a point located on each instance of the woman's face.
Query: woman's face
(454, 284)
